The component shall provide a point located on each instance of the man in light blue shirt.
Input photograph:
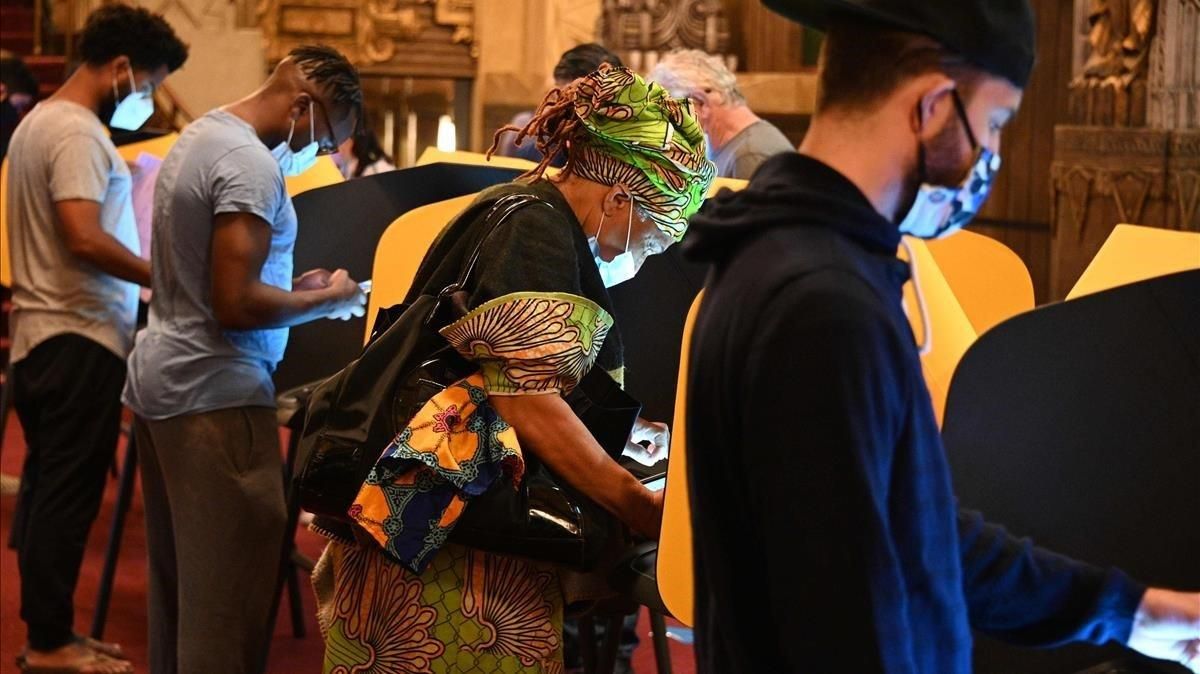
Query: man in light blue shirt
(200, 373)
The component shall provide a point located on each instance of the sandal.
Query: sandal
(87, 667)
(111, 650)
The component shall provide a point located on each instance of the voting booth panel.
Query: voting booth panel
(1085, 413)
(340, 227)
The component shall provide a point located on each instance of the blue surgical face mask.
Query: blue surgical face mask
(622, 267)
(939, 211)
(294, 163)
(133, 110)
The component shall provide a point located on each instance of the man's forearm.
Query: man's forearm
(105, 253)
(1029, 596)
(262, 306)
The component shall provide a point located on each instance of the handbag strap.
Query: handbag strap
(499, 213)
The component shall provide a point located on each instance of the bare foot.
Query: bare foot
(75, 657)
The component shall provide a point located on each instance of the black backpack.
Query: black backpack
(355, 414)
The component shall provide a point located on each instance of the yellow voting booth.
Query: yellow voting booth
(674, 565)
(1134, 253)
(157, 147)
(5, 264)
(323, 173)
(432, 155)
(401, 249)
(989, 280)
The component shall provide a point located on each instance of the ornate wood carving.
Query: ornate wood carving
(1111, 90)
(641, 30)
(1174, 79)
(393, 37)
(1102, 177)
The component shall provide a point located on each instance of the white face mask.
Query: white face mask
(622, 267)
(133, 110)
(295, 163)
(939, 211)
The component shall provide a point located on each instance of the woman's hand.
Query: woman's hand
(649, 523)
(658, 439)
(549, 429)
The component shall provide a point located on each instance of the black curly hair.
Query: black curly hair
(333, 73)
(583, 60)
(121, 30)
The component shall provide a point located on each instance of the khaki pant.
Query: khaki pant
(215, 520)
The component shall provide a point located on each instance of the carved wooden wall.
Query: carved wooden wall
(642, 30)
(418, 38)
(1136, 158)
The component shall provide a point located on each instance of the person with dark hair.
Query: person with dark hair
(815, 461)
(362, 155)
(18, 93)
(576, 62)
(74, 249)
(200, 373)
(582, 60)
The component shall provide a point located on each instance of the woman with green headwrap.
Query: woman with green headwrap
(540, 319)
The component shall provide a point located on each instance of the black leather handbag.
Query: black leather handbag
(356, 413)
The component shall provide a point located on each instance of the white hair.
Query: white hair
(688, 71)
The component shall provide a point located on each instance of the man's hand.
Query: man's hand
(346, 299)
(314, 279)
(658, 437)
(1167, 627)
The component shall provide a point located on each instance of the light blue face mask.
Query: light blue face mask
(133, 110)
(294, 163)
(939, 211)
(622, 267)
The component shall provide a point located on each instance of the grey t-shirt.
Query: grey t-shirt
(753, 145)
(184, 362)
(61, 152)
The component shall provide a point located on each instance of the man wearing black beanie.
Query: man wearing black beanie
(827, 536)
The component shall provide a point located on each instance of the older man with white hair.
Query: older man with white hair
(738, 139)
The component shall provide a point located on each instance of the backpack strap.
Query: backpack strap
(500, 212)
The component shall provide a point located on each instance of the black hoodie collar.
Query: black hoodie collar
(790, 189)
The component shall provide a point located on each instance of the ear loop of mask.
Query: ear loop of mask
(598, 230)
(132, 85)
(312, 133)
(926, 344)
(963, 119)
(629, 232)
(961, 111)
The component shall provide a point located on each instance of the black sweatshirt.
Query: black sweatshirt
(827, 534)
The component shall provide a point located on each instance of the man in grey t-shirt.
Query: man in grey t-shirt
(76, 272)
(200, 374)
(738, 139)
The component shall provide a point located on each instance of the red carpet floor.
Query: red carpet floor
(127, 613)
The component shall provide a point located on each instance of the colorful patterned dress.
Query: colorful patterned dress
(413, 602)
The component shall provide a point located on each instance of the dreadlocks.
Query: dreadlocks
(553, 127)
(332, 73)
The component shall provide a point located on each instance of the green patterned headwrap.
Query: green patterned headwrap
(634, 133)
